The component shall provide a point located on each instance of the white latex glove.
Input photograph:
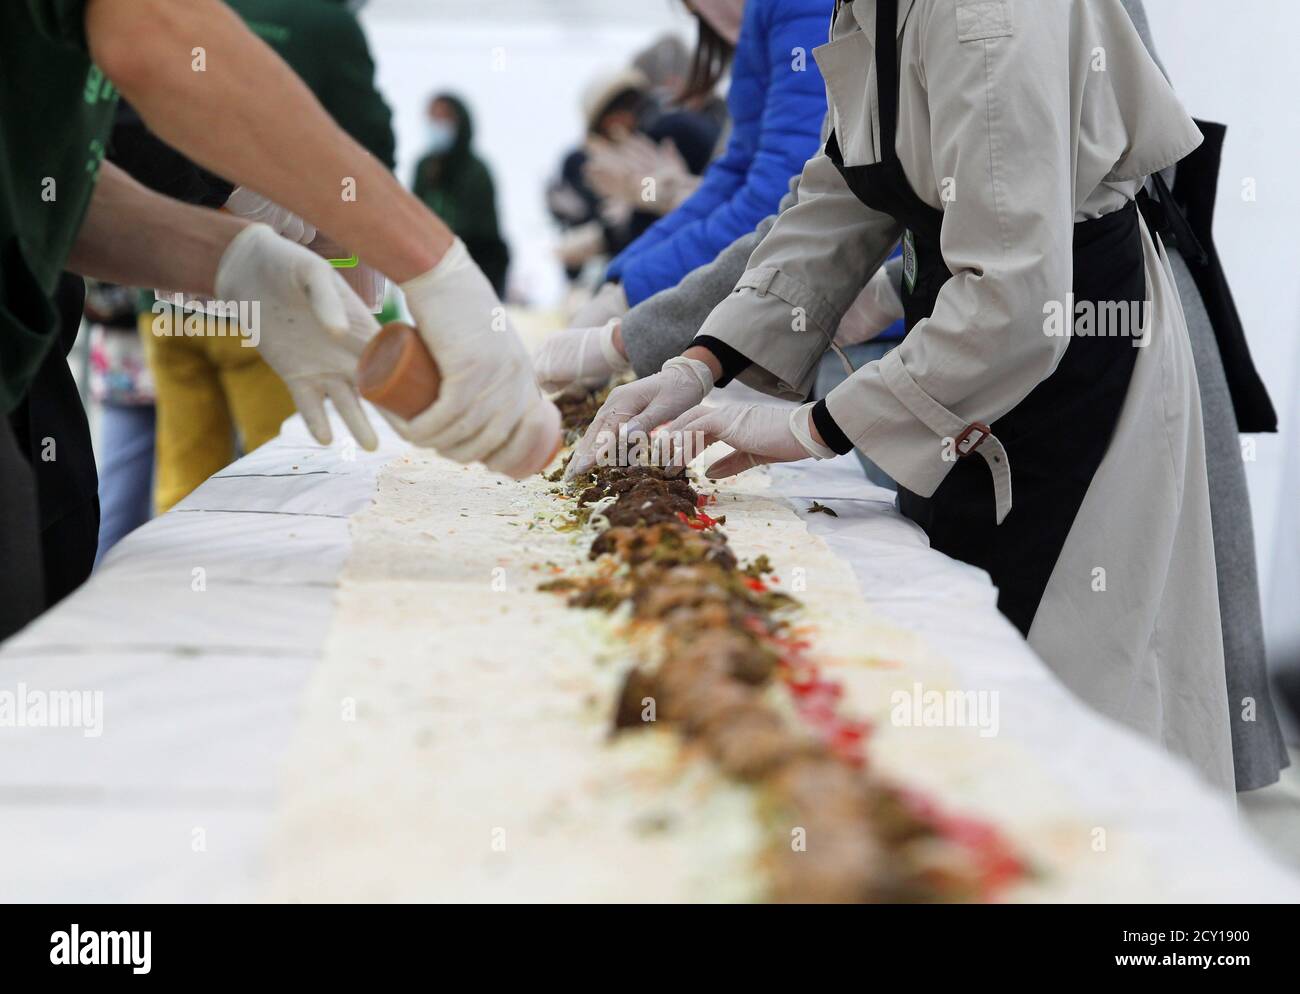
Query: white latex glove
(610, 301)
(641, 407)
(252, 206)
(613, 171)
(637, 172)
(760, 434)
(579, 244)
(311, 327)
(565, 202)
(614, 214)
(489, 409)
(872, 311)
(579, 358)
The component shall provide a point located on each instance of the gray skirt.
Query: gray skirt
(1258, 749)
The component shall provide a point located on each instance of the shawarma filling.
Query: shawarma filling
(731, 673)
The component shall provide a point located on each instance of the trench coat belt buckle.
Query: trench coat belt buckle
(963, 445)
(968, 442)
(968, 437)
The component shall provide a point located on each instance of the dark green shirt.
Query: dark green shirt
(323, 43)
(56, 110)
(459, 190)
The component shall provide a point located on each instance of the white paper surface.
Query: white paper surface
(202, 683)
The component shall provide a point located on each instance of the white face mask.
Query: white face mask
(440, 136)
(724, 16)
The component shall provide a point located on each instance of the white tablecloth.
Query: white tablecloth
(202, 628)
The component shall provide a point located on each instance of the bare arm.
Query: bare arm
(125, 225)
(249, 118)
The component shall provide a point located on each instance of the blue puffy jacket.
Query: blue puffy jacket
(777, 102)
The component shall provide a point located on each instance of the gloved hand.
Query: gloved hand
(610, 301)
(579, 244)
(614, 216)
(579, 358)
(311, 327)
(611, 169)
(642, 406)
(620, 171)
(252, 206)
(872, 311)
(489, 409)
(565, 203)
(760, 434)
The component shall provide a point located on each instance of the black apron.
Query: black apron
(1057, 436)
(21, 576)
(49, 425)
(1184, 219)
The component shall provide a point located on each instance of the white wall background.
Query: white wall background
(522, 64)
(1237, 63)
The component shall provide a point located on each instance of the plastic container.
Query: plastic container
(369, 284)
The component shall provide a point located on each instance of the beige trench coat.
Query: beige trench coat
(1017, 118)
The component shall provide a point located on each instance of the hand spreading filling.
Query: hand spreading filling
(731, 674)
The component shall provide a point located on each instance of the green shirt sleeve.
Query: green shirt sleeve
(352, 97)
(62, 21)
(56, 110)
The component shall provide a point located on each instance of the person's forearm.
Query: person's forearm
(705, 356)
(135, 237)
(247, 117)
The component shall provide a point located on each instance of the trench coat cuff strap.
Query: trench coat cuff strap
(766, 280)
(779, 360)
(967, 437)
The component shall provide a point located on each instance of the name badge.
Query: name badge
(909, 261)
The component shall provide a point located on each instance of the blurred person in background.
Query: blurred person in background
(619, 108)
(777, 103)
(634, 172)
(457, 185)
(216, 396)
(666, 63)
(122, 386)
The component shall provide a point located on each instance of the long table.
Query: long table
(201, 629)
